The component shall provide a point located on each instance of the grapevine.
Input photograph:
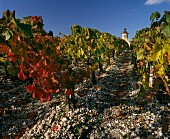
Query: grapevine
(151, 47)
(53, 64)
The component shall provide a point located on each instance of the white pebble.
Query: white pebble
(64, 119)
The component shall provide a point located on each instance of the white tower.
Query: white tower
(125, 36)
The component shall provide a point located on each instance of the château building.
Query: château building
(125, 36)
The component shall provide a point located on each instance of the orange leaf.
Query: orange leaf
(4, 49)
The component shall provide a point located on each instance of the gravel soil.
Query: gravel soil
(111, 109)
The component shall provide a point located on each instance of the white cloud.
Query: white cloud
(151, 2)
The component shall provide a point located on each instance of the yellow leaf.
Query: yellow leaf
(140, 54)
(145, 80)
(78, 53)
(85, 56)
(160, 70)
(13, 21)
(166, 47)
(147, 47)
(82, 52)
(155, 55)
(2, 59)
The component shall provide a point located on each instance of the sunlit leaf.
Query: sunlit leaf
(155, 56)
(166, 31)
(140, 54)
(8, 34)
(160, 70)
(155, 15)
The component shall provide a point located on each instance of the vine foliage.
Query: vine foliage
(52, 64)
(151, 47)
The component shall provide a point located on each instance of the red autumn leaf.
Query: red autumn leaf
(30, 88)
(68, 92)
(37, 81)
(54, 128)
(12, 57)
(57, 90)
(38, 93)
(46, 95)
(51, 91)
(30, 75)
(21, 75)
(34, 18)
(4, 49)
(39, 36)
(16, 137)
(33, 74)
(46, 99)
(53, 79)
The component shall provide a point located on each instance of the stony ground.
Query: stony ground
(111, 109)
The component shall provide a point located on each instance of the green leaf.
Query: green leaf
(142, 91)
(7, 34)
(155, 15)
(167, 16)
(25, 29)
(166, 31)
(12, 70)
(76, 29)
(102, 50)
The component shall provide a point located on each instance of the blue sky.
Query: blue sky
(110, 16)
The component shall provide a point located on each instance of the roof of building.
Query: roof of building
(125, 31)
